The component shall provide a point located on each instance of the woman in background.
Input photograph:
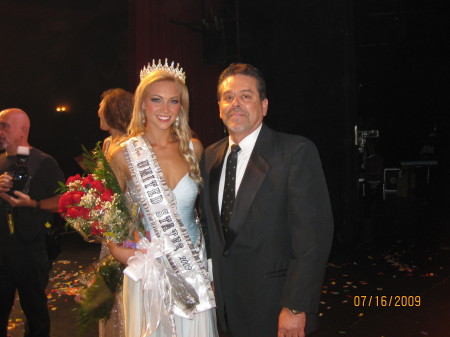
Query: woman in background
(115, 114)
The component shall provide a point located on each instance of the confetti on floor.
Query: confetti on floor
(62, 283)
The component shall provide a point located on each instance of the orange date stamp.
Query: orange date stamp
(387, 301)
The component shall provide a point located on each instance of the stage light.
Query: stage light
(62, 109)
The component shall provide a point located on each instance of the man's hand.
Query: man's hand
(291, 325)
(5, 183)
(19, 200)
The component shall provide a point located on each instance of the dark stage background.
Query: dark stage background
(330, 65)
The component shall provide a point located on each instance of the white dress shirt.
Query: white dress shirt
(246, 145)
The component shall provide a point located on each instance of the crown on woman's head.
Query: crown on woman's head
(175, 71)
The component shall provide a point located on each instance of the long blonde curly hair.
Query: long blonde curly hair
(181, 128)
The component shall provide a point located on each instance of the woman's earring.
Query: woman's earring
(177, 122)
(143, 118)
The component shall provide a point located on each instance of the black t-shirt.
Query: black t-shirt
(29, 223)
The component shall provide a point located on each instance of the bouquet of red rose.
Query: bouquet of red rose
(94, 210)
(97, 209)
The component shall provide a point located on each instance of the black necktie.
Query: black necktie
(229, 188)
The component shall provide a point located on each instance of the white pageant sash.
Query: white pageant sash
(159, 205)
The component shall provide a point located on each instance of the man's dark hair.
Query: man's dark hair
(118, 108)
(244, 69)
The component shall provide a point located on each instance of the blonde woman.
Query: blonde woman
(159, 165)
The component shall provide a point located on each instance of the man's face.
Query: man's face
(241, 109)
(10, 132)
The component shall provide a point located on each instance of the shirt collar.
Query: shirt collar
(248, 143)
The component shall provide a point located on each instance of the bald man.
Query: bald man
(24, 215)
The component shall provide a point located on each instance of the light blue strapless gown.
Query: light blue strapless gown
(204, 323)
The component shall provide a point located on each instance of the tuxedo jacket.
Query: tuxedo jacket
(279, 235)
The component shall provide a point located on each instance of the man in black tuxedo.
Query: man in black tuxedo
(268, 216)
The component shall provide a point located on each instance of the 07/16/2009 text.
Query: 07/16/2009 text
(386, 301)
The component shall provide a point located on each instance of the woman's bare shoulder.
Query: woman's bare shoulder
(198, 147)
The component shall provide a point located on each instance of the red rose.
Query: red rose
(73, 178)
(87, 181)
(107, 195)
(73, 212)
(98, 185)
(64, 201)
(76, 197)
(84, 213)
(96, 229)
(78, 212)
(69, 199)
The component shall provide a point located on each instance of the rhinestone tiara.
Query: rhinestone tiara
(176, 71)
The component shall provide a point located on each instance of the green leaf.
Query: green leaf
(98, 296)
